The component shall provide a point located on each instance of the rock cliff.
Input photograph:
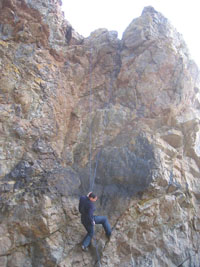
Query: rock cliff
(118, 116)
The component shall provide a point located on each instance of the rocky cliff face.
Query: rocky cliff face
(121, 116)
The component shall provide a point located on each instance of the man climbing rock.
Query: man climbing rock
(87, 208)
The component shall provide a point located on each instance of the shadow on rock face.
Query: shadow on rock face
(21, 174)
(65, 181)
(121, 172)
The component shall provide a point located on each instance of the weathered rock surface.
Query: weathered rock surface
(123, 111)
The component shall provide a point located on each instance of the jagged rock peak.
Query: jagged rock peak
(149, 9)
(150, 27)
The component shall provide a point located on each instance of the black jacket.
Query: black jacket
(86, 208)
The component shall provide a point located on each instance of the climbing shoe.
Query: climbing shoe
(109, 237)
(84, 248)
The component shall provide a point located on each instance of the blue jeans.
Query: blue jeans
(90, 229)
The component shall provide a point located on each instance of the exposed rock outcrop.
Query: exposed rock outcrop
(126, 111)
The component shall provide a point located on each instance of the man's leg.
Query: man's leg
(104, 221)
(88, 237)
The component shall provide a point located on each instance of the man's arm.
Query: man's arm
(90, 213)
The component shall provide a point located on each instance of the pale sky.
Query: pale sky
(86, 16)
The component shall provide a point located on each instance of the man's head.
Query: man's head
(92, 197)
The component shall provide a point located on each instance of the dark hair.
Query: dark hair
(92, 195)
